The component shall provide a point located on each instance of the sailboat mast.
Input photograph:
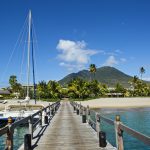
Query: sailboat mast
(28, 66)
(33, 69)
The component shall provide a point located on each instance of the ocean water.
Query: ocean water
(18, 138)
(138, 119)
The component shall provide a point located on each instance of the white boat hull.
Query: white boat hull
(16, 114)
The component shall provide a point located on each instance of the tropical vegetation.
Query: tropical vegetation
(142, 71)
(78, 88)
(92, 70)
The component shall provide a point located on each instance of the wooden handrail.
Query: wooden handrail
(119, 128)
(37, 113)
(36, 123)
(11, 126)
(109, 121)
(91, 120)
(4, 130)
(17, 123)
(145, 139)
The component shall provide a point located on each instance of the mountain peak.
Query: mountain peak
(106, 75)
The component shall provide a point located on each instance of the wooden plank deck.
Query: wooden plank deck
(67, 132)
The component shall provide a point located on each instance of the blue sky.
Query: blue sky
(71, 34)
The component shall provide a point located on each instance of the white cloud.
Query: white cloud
(111, 61)
(123, 60)
(146, 78)
(118, 51)
(72, 67)
(74, 53)
(132, 58)
(110, 53)
(113, 52)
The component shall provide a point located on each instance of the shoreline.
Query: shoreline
(136, 102)
(119, 107)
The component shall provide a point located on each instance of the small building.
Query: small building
(115, 94)
(25, 86)
(4, 92)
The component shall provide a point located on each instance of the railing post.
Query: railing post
(74, 107)
(101, 135)
(97, 123)
(52, 110)
(57, 106)
(77, 110)
(31, 127)
(102, 139)
(80, 109)
(49, 110)
(28, 137)
(40, 117)
(119, 134)
(88, 113)
(9, 138)
(27, 142)
(84, 115)
(45, 117)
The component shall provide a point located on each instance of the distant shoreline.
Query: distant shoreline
(137, 102)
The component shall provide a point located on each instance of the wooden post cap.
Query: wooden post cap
(10, 120)
(117, 117)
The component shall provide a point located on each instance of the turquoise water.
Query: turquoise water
(138, 119)
(18, 138)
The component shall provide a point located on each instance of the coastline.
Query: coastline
(136, 102)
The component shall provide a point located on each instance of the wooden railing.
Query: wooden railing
(42, 117)
(119, 127)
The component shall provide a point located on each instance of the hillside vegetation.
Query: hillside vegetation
(105, 75)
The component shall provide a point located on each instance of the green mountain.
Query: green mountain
(107, 75)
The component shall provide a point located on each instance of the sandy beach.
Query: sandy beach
(10, 102)
(99, 103)
(117, 102)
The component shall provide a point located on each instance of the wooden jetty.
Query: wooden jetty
(42, 118)
(69, 126)
(67, 132)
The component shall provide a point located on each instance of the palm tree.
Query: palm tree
(77, 88)
(142, 71)
(42, 89)
(135, 79)
(12, 81)
(55, 89)
(16, 87)
(119, 88)
(92, 70)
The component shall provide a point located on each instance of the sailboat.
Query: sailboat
(27, 98)
(23, 109)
